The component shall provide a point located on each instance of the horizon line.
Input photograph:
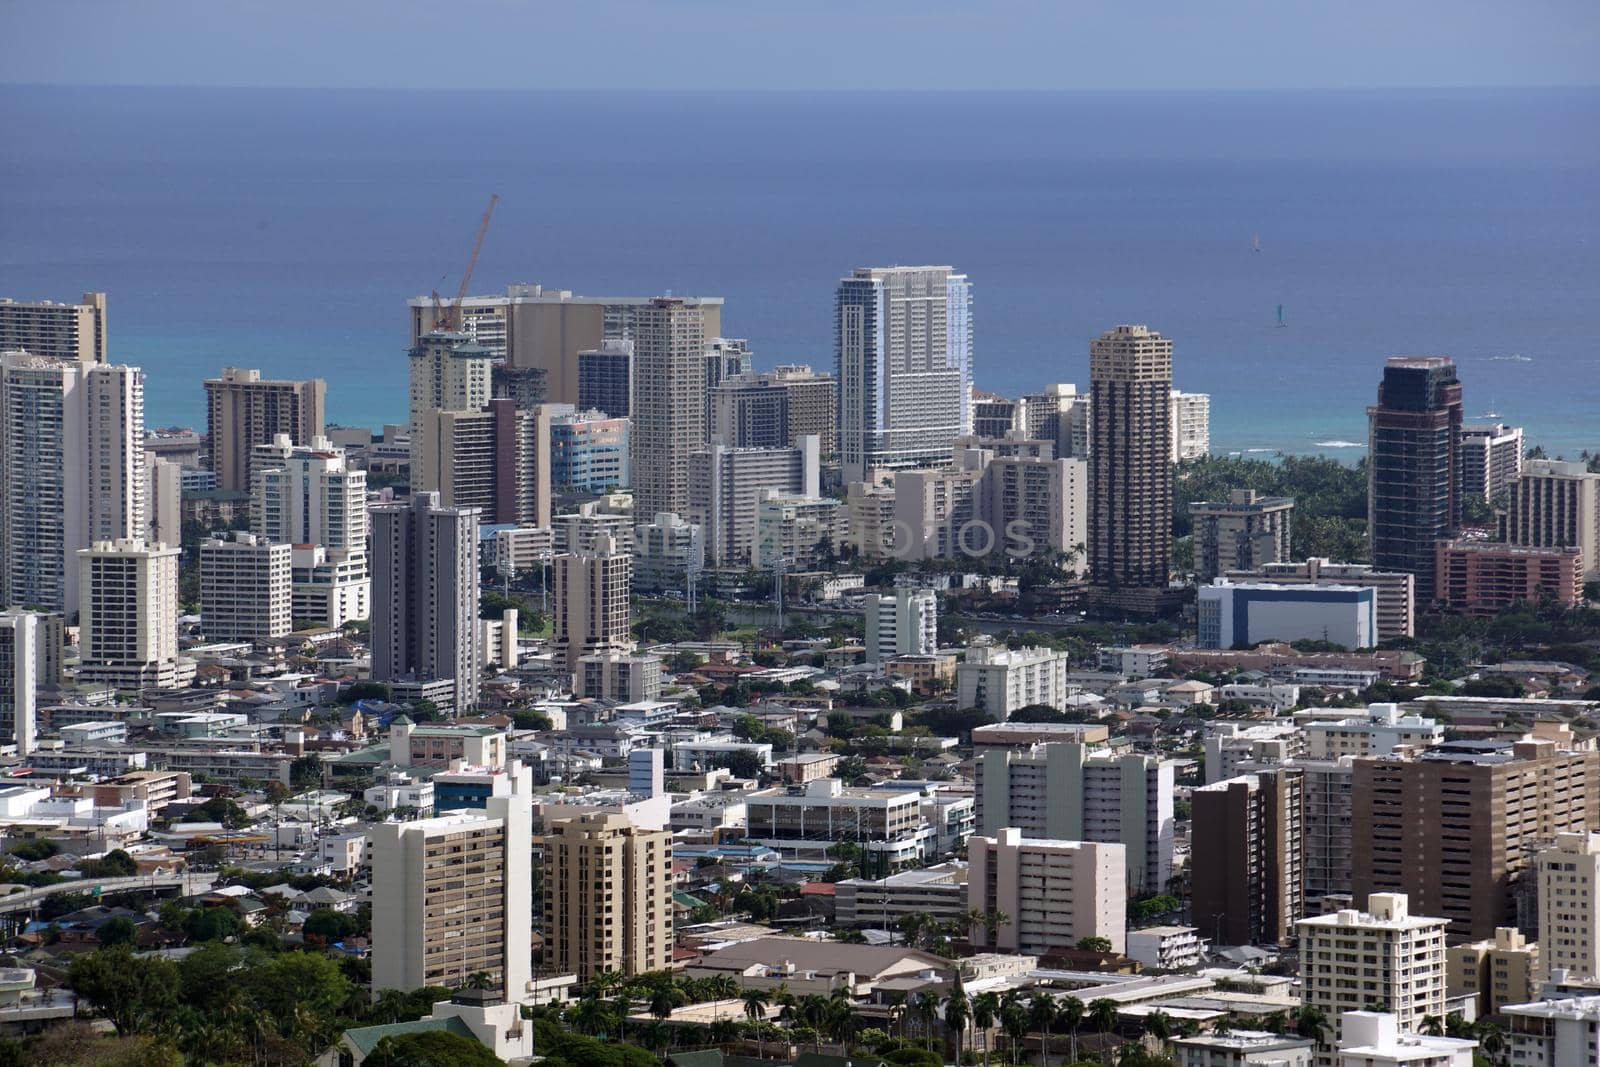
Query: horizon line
(774, 90)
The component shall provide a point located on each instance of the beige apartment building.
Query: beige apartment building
(449, 372)
(592, 587)
(1498, 971)
(1052, 893)
(1245, 531)
(1569, 906)
(244, 410)
(450, 899)
(1555, 505)
(246, 588)
(607, 897)
(1383, 959)
(75, 332)
(128, 615)
(496, 460)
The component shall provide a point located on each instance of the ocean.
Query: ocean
(285, 230)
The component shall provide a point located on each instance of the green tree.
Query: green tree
(431, 1048)
(117, 931)
(365, 691)
(132, 993)
(1094, 944)
(1042, 1015)
(114, 864)
(211, 924)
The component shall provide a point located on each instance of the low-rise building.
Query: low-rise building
(939, 891)
(1166, 948)
(1233, 614)
(1553, 1033)
(1378, 733)
(1375, 1039)
(1242, 1048)
(999, 680)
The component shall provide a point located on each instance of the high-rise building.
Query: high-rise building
(309, 497)
(244, 410)
(1555, 505)
(1497, 971)
(523, 386)
(1031, 501)
(1414, 465)
(725, 358)
(607, 897)
(1064, 790)
(774, 409)
(1191, 426)
(723, 486)
(869, 519)
(605, 378)
(903, 357)
(1553, 1033)
(1395, 589)
(449, 372)
(665, 552)
(1060, 414)
(592, 587)
(246, 588)
(163, 486)
(669, 402)
(995, 416)
(588, 450)
(1568, 875)
(1052, 894)
(1130, 459)
(425, 595)
(1241, 533)
(128, 615)
(1000, 680)
(72, 471)
(450, 899)
(75, 332)
(936, 511)
(902, 623)
(496, 460)
(1456, 827)
(803, 531)
(30, 658)
(1383, 957)
(1478, 577)
(547, 328)
(1491, 459)
(1247, 864)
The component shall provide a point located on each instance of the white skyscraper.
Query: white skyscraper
(128, 615)
(902, 623)
(425, 595)
(307, 495)
(246, 593)
(23, 664)
(903, 354)
(72, 471)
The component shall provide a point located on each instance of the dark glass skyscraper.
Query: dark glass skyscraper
(1414, 465)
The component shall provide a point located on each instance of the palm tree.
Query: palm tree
(1158, 1024)
(1069, 1012)
(927, 1005)
(1014, 1020)
(1042, 1014)
(897, 1011)
(844, 1022)
(756, 1003)
(722, 1031)
(622, 1004)
(604, 982)
(992, 921)
(656, 1036)
(1310, 1021)
(985, 1007)
(1103, 1013)
(911, 928)
(957, 1012)
(814, 1014)
(480, 980)
(663, 999)
(1432, 1025)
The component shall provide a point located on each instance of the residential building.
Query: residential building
(1457, 826)
(607, 897)
(1247, 860)
(1242, 533)
(1130, 459)
(723, 484)
(902, 623)
(1491, 459)
(1166, 948)
(246, 588)
(1568, 876)
(163, 486)
(725, 358)
(310, 497)
(810, 818)
(449, 372)
(592, 587)
(1383, 957)
(588, 450)
(939, 891)
(1498, 971)
(128, 615)
(1379, 732)
(1376, 1039)
(1325, 844)
(1241, 1048)
(903, 357)
(1554, 1033)
(665, 553)
(669, 402)
(592, 523)
(1555, 505)
(1483, 578)
(523, 548)
(625, 677)
(1234, 615)
(425, 595)
(30, 657)
(496, 459)
(450, 899)
(1030, 501)
(1060, 414)
(1414, 464)
(1395, 589)
(74, 332)
(244, 410)
(803, 532)
(1191, 426)
(605, 378)
(775, 409)
(1070, 792)
(1052, 893)
(72, 471)
(936, 514)
(870, 518)
(1000, 680)
(995, 416)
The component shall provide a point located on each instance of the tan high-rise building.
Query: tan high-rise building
(1498, 971)
(1130, 459)
(246, 588)
(1247, 864)
(532, 327)
(450, 899)
(669, 403)
(496, 460)
(449, 372)
(244, 410)
(1569, 906)
(607, 897)
(1383, 959)
(1456, 827)
(1052, 893)
(592, 586)
(128, 615)
(75, 332)
(1241, 533)
(1555, 505)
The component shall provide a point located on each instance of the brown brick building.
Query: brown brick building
(1482, 577)
(1247, 872)
(1457, 827)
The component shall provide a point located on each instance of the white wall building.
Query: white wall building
(1378, 733)
(1375, 1039)
(1554, 1033)
(309, 497)
(1232, 614)
(724, 484)
(1569, 906)
(1000, 680)
(23, 668)
(1191, 425)
(246, 588)
(128, 615)
(902, 623)
(1166, 948)
(1053, 893)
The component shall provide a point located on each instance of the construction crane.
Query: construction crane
(449, 317)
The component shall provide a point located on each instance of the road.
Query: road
(29, 899)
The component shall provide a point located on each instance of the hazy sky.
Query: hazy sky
(790, 44)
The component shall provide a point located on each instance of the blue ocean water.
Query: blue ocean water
(285, 230)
